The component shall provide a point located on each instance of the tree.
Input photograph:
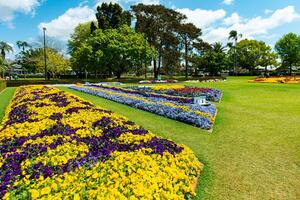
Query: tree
(3, 66)
(267, 57)
(211, 58)
(23, 45)
(160, 26)
(78, 47)
(188, 34)
(112, 16)
(115, 51)
(56, 63)
(5, 48)
(216, 59)
(233, 35)
(288, 48)
(252, 53)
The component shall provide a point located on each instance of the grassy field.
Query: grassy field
(254, 151)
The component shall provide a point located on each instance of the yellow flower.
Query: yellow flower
(54, 186)
(34, 194)
(76, 197)
(46, 190)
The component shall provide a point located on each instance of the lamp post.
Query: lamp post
(45, 56)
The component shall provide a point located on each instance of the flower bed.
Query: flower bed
(54, 145)
(200, 116)
(157, 81)
(283, 79)
(183, 91)
(145, 93)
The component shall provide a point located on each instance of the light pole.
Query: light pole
(45, 56)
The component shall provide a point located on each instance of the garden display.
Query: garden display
(178, 108)
(183, 91)
(281, 79)
(53, 145)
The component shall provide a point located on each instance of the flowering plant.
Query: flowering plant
(157, 81)
(183, 91)
(200, 116)
(53, 145)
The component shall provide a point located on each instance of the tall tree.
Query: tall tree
(160, 26)
(188, 33)
(78, 48)
(5, 48)
(112, 16)
(233, 35)
(288, 48)
(252, 53)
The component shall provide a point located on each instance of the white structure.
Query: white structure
(200, 100)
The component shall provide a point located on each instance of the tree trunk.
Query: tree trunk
(186, 59)
(291, 70)
(155, 69)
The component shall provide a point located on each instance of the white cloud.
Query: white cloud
(268, 11)
(62, 27)
(203, 18)
(253, 27)
(228, 2)
(9, 8)
(233, 19)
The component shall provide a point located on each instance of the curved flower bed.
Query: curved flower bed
(54, 145)
(183, 91)
(200, 116)
(146, 94)
(281, 79)
(157, 81)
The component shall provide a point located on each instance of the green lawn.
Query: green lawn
(5, 97)
(254, 151)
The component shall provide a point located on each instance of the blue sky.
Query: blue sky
(265, 20)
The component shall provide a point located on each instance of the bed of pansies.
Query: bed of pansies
(177, 108)
(54, 145)
(157, 81)
(183, 91)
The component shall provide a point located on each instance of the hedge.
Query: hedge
(2, 85)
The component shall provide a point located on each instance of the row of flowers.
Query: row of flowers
(183, 91)
(194, 114)
(53, 145)
(157, 81)
(143, 92)
(281, 79)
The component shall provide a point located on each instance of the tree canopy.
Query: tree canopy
(288, 48)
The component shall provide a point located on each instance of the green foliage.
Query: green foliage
(253, 53)
(33, 61)
(288, 48)
(213, 58)
(109, 51)
(5, 48)
(112, 16)
(188, 34)
(161, 27)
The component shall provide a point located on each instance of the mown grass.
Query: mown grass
(254, 151)
(5, 97)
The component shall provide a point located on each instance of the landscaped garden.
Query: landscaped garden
(253, 152)
(149, 100)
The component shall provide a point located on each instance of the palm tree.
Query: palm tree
(23, 45)
(3, 66)
(218, 47)
(5, 48)
(233, 35)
